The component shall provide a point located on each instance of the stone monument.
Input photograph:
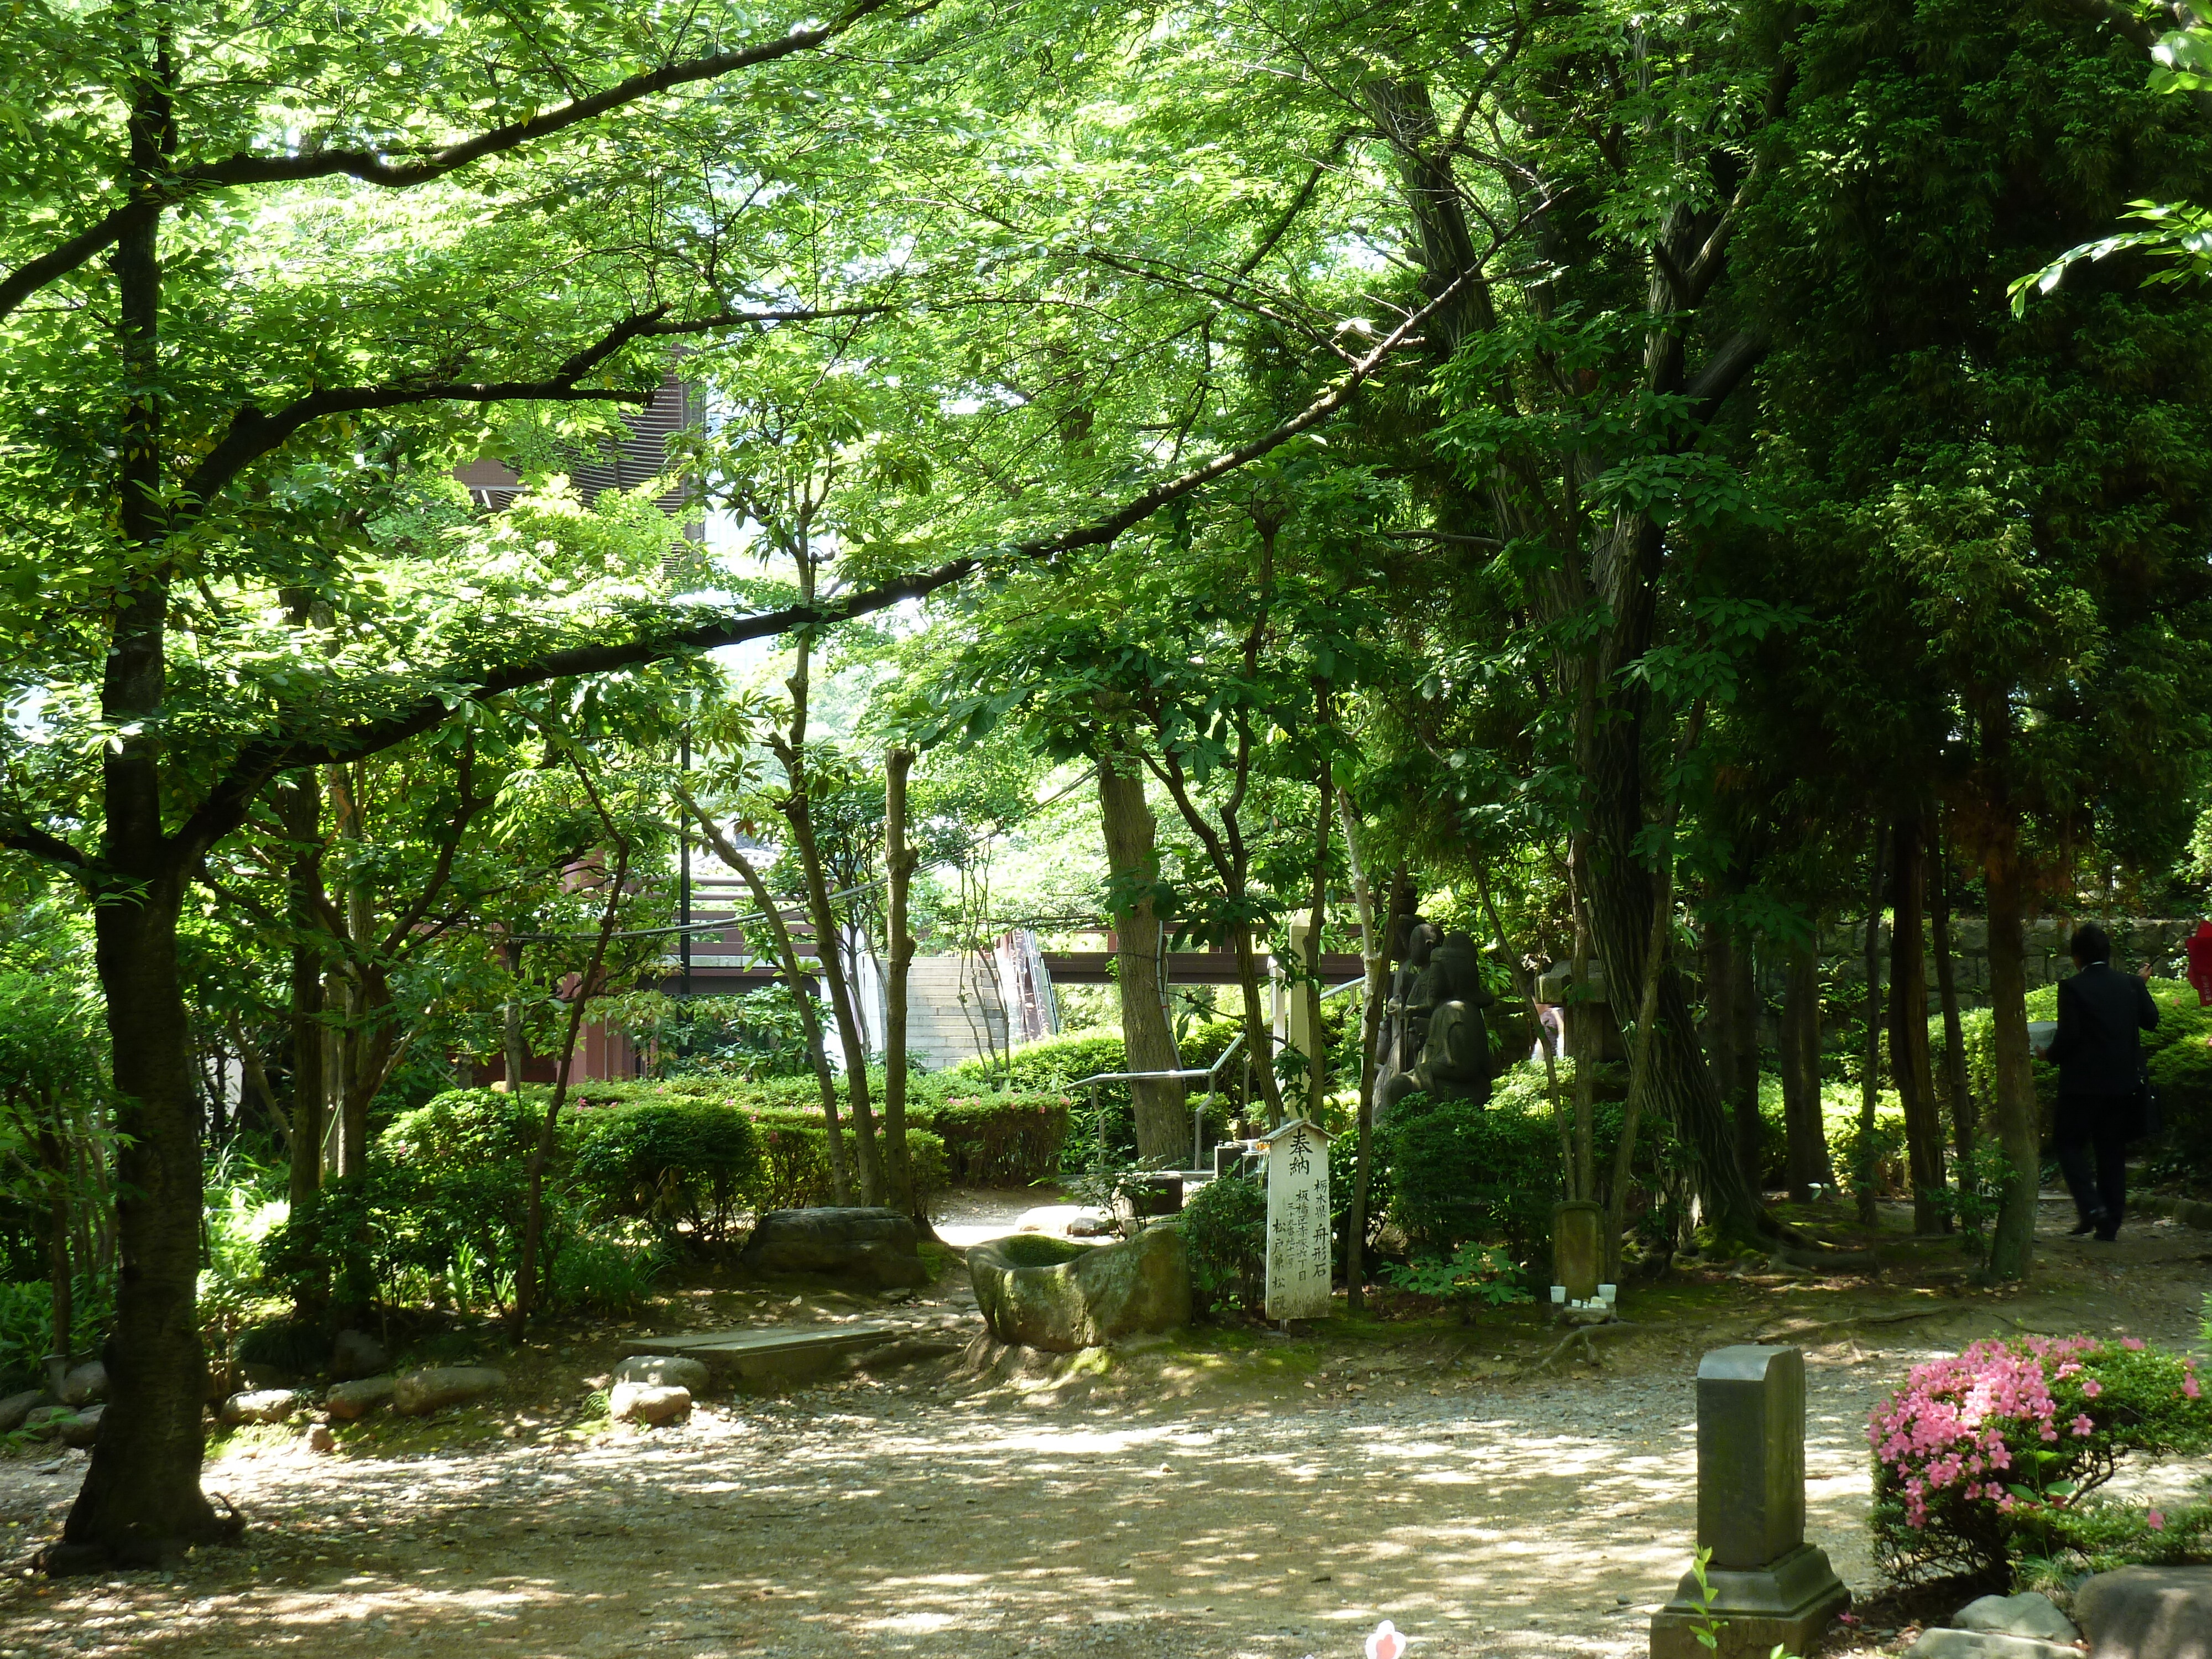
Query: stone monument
(1405, 1033)
(1300, 1263)
(1769, 1585)
(1578, 1248)
(1444, 1009)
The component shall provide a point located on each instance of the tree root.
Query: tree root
(1583, 1334)
(138, 1548)
(1798, 1333)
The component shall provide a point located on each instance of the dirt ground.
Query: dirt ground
(1230, 1494)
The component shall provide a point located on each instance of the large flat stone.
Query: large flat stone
(2148, 1612)
(773, 1356)
(1948, 1644)
(878, 1249)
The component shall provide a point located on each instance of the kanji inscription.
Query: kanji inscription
(1299, 1265)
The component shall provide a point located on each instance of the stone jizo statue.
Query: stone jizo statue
(1444, 1007)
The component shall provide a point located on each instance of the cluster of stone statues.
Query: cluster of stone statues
(1435, 1041)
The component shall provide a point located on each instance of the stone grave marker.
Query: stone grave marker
(1769, 1585)
(1299, 1260)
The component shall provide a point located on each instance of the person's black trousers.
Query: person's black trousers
(2092, 1136)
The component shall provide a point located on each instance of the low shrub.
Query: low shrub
(599, 1274)
(795, 1155)
(1986, 1457)
(1224, 1230)
(677, 1162)
(1462, 1172)
(1343, 1173)
(1008, 1139)
(27, 1326)
(1476, 1276)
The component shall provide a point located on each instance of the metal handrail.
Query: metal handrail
(1198, 1113)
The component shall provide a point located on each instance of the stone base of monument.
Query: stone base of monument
(1790, 1601)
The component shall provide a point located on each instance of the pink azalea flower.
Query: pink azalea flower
(2092, 1387)
(2188, 1386)
(2132, 1344)
(2156, 1521)
(2083, 1425)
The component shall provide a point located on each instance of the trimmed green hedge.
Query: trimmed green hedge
(795, 1149)
(1009, 1139)
(974, 1136)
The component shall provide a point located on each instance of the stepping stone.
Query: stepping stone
(772, 1356)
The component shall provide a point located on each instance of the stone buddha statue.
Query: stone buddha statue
(1444, 1014)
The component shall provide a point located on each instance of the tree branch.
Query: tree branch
(1724, 370)
(29, 838)
(374, 169)
(226, 803)
(253, 434)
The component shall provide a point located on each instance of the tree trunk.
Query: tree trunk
(1866, 1175)
(1947, 988)
(802, 996)
(2012, 1250)
(850, 1037)
(1316, 919)
(1908, 1026)
(1807, 1135)
(302, 810)
(1147, 1036)
(1620, 897)
(141, 1503)
(899, 862)
(1584, 1032)
(1374, 960)
(514, 1040)
(1732, 1039)
(527, 1270)
(791, 751)
(1259, 1034)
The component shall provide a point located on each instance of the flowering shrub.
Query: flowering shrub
(1986, 1456)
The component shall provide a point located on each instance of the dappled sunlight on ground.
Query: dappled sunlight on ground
(1231, 1496)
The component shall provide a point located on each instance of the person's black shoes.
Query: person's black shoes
(2108, 1235)
(2088, 1223)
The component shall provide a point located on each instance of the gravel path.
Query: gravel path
(1273, 1502)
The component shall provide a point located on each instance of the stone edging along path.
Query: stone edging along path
(2188, 1212)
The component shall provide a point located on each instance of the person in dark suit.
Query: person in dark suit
(2099, 1053)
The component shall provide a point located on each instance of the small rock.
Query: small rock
(645, 1402)
(1092, 1226)
(17, 1407)
(45, 1421)
(347, 1400)
(419, 1393)
(1948, 1644)
(262, 1406)
(2029, 1613)
(82, 1428)
(357, 1353)
(320, 1439)
(663, 1370)
(84, 1384)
